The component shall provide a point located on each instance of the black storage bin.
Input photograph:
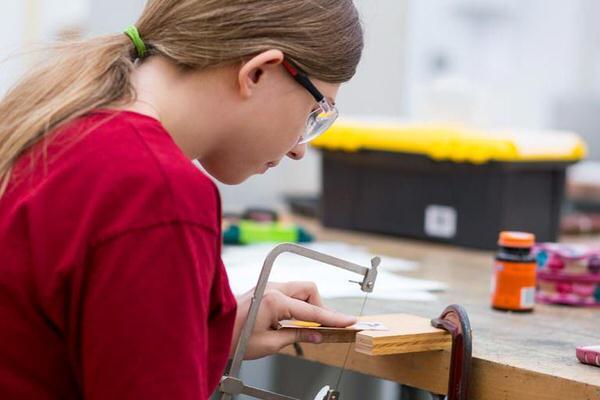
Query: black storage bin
(413, 196)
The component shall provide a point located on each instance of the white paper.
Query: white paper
(369, 326)
(244, 263)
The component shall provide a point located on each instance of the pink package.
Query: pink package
(589, 355)
(568, 274)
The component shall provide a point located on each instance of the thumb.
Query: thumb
(309, 336)
(285, 337)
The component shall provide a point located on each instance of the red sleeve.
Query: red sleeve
(145, 329)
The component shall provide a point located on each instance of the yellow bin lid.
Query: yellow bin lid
(452, 143)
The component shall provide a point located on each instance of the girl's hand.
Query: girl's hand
(291, 300)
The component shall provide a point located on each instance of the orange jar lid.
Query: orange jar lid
(516, 239)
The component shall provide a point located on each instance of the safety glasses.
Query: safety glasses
(325, 112)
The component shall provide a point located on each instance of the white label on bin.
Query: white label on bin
(440, 221)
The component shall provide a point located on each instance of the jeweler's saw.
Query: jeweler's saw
(231, 384)
(400, 339)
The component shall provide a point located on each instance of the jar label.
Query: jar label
(527, 297)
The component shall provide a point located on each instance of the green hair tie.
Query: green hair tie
(133, 34)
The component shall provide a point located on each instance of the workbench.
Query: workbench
(515, 355)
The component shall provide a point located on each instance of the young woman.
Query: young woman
(111, 283)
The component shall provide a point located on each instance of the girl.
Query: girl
(111, 283)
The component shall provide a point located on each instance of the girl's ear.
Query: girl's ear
(251, 72)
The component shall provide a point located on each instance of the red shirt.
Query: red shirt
(111, 281)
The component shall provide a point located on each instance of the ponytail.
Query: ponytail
(77, 78)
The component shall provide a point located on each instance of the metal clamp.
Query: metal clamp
(455, 320)
(230, 383)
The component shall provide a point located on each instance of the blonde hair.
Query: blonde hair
(324, 37)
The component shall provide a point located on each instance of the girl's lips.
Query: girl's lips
(267, 166)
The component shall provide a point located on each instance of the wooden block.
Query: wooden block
(407, 334)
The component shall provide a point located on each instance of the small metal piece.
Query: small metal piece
(332, 395)
(234, 386)
(231, 385)
(368, 283)
(298, 349)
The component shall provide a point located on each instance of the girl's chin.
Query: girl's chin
(236, 179)
(229, 179)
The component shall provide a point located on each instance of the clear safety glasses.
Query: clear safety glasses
(325, 112)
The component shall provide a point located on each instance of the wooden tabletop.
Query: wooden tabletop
(515, 356)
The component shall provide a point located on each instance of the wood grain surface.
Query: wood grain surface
(407, 334)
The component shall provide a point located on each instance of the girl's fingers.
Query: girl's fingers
(305, 291)
(307, 312)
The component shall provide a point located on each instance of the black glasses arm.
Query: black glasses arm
(302, 79)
